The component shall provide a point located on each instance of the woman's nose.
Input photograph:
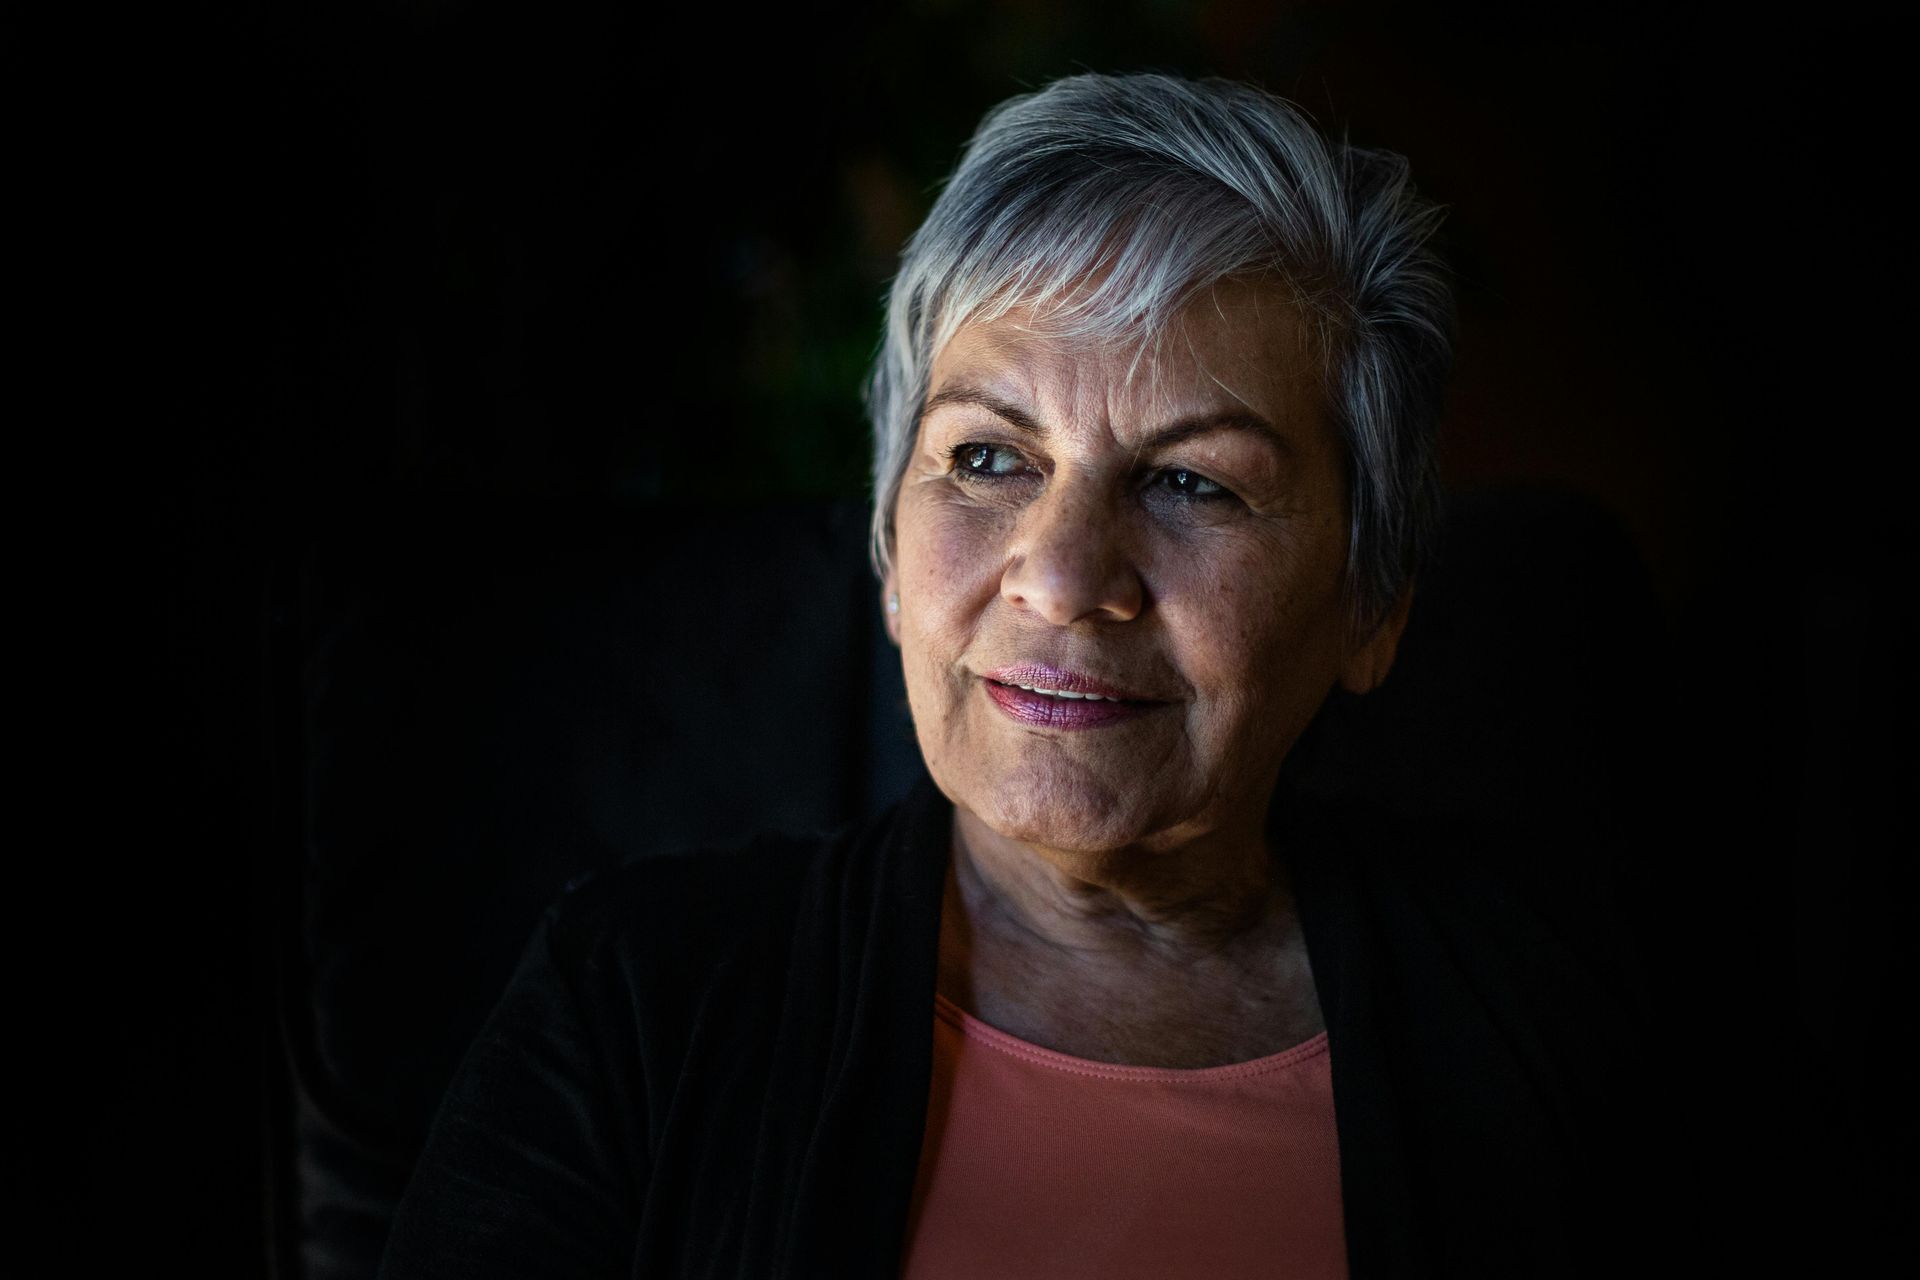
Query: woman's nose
(1071, 561)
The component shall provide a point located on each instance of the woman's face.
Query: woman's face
(1171, 536)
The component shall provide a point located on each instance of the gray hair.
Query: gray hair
(1109, 203)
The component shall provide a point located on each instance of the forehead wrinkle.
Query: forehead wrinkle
(994, 373)
(1288, 358)
(1028, 378)
(967, 393)
(1041, 383)
(1206, 371)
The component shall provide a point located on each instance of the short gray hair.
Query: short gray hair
(1111, 202)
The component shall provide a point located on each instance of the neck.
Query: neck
(1207, 897)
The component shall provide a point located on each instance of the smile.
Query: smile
(1063, 693)
(1041, 705)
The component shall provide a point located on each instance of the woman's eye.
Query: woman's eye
(986, 460)
(1188, 484)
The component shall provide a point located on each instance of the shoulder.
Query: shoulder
(1478, 867)
(708, 902)
(697, 902)
(1532, 914)
(647, 960)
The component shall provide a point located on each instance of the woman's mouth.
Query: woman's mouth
(1049, 698)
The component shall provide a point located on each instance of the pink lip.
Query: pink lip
(1045, 677)
(1041, 711)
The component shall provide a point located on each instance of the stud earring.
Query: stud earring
(893, 602)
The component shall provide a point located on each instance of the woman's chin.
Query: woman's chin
(1065, 808)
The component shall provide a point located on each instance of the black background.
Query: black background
(295, 273)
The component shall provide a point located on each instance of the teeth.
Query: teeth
(1063, 693)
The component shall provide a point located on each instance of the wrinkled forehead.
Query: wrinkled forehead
(1239, 342)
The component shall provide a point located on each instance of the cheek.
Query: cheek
(946, 562)
(1253, 619)
(949, 558)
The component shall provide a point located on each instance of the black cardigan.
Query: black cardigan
(718, 1065)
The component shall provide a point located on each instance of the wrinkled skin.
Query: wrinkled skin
(1172, 522)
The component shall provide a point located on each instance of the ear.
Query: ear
(1368, 665)
(890, 608)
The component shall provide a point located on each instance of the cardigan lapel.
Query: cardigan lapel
(859, 1046)
(1377, 1206)
(1455, 1025)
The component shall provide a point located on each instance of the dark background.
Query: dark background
(413, 265)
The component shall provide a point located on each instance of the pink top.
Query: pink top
(1040, 1164)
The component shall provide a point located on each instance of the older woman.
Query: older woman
(1153, 474)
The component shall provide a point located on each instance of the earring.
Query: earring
(893, 602)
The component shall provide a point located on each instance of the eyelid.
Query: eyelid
(1221, 489)
(1201, 476)
(956, 451)
(1150, 477)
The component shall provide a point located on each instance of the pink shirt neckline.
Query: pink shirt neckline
(994, 1038)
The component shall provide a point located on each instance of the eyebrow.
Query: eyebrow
(998, 407)
(1187, 428)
